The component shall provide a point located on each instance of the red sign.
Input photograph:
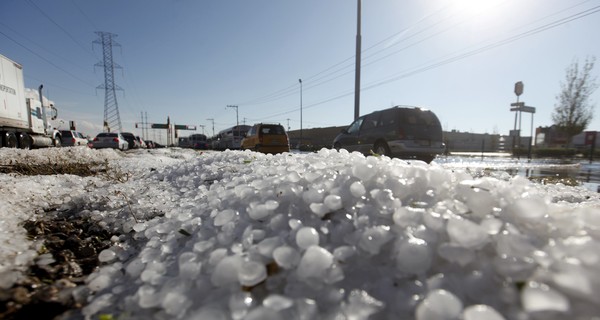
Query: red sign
(590, 138)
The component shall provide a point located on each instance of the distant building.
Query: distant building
(585, 139)
(550, 137)
(473, 142)
(545, 137)
(317, 138)
(314, 138)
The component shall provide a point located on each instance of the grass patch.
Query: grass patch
(50, 168)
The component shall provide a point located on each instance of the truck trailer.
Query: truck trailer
(24, 113)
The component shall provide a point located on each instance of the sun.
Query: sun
(474, 7)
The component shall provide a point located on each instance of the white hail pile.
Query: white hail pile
(336, 235)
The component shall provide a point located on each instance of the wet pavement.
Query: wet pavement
(584, 171)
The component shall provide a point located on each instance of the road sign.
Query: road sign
(159, 126)
(514, 133)
(184, 127)
(520, 106)
(528, 109)
(519, 88)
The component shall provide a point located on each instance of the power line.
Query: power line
(74, 3)
(458, 57)
(43, 58)
(345, 67)
(345, 64)
(490, 46)
(61, 57)
(61, 28)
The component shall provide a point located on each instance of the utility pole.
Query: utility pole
(213, 125)
(146, 126)
(288, 120)
(300, 80)
(237, 121)
(142, 116)
(201, 126)
(357, 71)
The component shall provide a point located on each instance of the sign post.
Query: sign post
(520, 107)
(518, 91)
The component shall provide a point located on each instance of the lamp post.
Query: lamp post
(300, 80)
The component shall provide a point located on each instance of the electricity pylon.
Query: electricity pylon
(112, 120)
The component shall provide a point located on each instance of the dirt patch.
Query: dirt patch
(52, 285)
(80, 169)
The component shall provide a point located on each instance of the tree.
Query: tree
(573, 110)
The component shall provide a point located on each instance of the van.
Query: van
(403, 132)
(197, 141)
(266, 138)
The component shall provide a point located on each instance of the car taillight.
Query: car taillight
(95, 139)
(73, 140)
(116, 139)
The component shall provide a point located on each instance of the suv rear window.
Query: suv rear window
(107, 134)
(66, 133)
(272, 129)
(420, 118)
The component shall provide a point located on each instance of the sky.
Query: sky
(190, 60)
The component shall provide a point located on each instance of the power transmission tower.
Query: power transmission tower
(112, 120)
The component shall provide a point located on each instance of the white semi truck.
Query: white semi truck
(24, 113)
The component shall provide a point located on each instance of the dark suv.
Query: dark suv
(404, 132)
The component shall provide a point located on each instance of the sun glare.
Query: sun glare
(482, 15)
(474, 7)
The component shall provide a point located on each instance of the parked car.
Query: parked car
(266, 138)
(133, 144)
(141, 142)
(69, 138)
(110, 140)
(150, 144)
(403, 132)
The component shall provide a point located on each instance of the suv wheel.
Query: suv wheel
(427, 159)
(382, 149)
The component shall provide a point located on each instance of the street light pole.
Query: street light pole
(357, 67)
(300, 80)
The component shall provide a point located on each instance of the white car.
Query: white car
(110, 140)
(69, 138)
